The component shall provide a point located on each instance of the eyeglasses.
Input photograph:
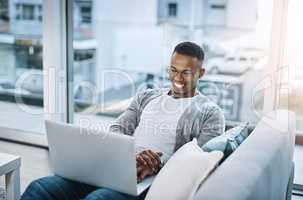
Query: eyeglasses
(185, 73)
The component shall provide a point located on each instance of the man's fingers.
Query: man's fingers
(152, 157)
(145, 173)
(155, 155)
(155, 158)
(140, 160)
(140, 169)
(140, 174)
(148, 160)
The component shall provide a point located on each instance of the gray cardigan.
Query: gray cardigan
(203, 119)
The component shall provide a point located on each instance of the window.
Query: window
(117, 60)
(243, 59)
(4, 10)
(21, 76)
(290, 92)
(18, 11)
(86, 12)
(40, 12)
(219, 7)
(29, 55)
(82, 20)
(83, 11)
(28, 12)
(172, 9)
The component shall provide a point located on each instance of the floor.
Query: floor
(35, 163)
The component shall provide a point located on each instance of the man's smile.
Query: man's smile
(178, 85)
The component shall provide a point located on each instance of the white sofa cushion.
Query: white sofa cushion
(183, 173)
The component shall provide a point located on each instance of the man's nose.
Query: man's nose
(178, 77)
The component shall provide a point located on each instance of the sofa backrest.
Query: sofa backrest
(260, 167)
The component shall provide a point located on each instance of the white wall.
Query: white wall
(183, 11)
(129, 36)
(214, 17)
(131, 12)
(241, 14)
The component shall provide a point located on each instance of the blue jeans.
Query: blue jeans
(58, 188)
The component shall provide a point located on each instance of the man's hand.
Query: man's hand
(150, 159)
(143, 171)
(148, 163)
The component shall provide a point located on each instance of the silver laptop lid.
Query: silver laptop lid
(93, 157)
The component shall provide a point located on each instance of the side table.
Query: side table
(10, 168)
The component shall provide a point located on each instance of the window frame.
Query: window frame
(55, 59)
(276, 54)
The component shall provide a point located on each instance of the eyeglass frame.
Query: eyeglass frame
(176, 72)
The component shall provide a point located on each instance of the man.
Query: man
(161, 120)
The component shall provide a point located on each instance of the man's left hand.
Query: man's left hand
(149, 158)
(143, 171)
(148, 163)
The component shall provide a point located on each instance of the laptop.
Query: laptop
(94, 157)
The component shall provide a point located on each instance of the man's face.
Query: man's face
(184, 73)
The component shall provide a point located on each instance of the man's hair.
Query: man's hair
(190, 49)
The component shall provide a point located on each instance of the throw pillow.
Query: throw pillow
(229, 141)
(183, 173)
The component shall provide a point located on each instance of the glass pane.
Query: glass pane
(291, 96)
(21, 80)
(126, 47)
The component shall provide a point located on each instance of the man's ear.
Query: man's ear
(201, 71)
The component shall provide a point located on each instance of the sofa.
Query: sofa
(261, 168)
